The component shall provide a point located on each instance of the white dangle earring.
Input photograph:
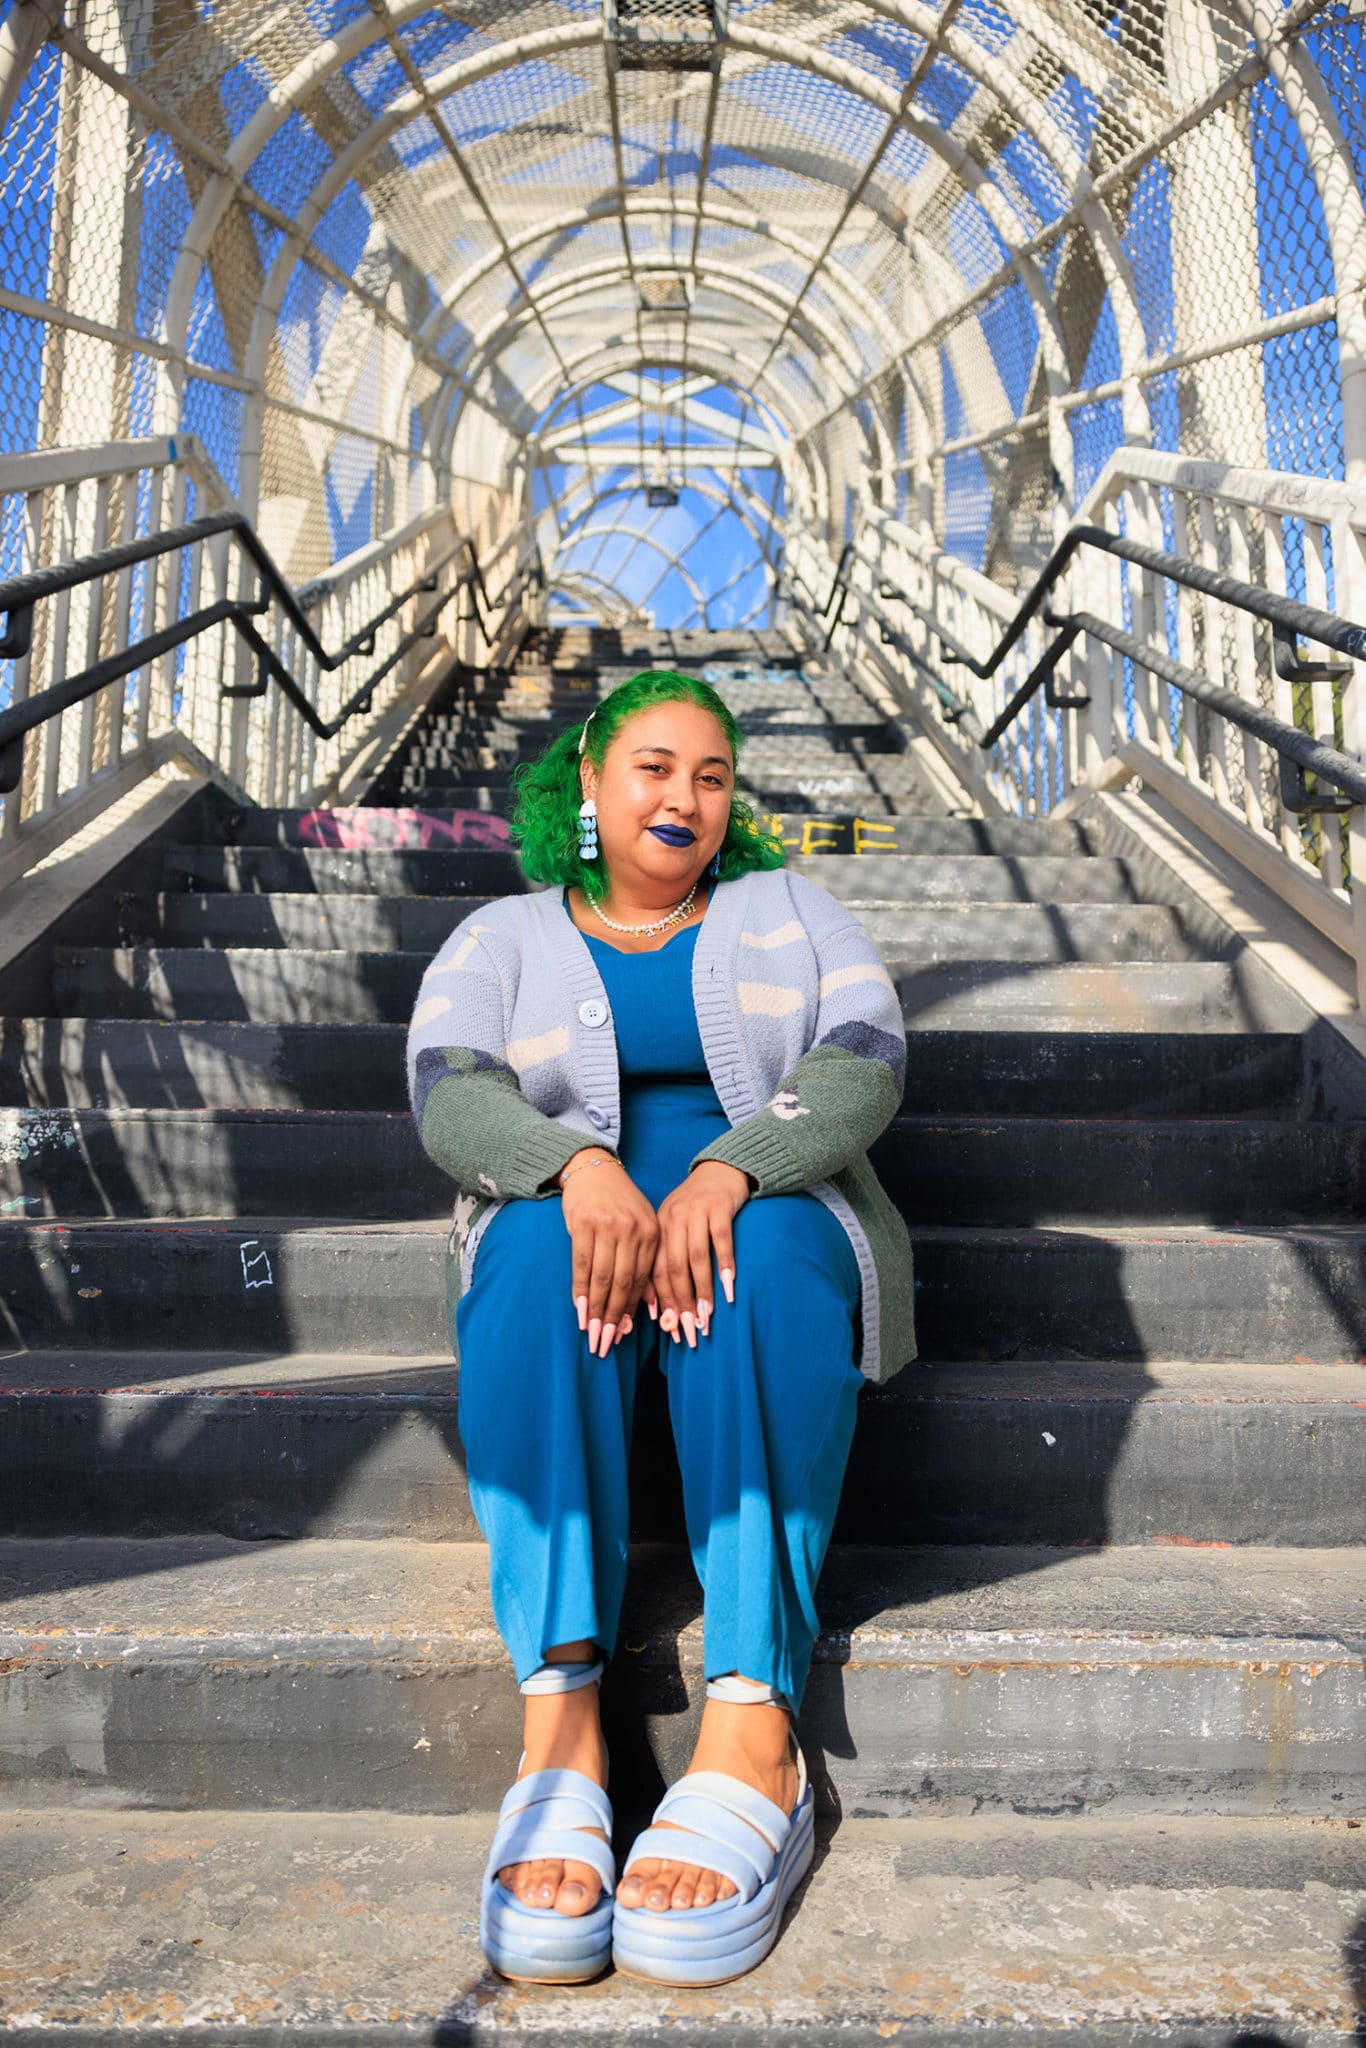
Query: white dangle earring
(588, 829)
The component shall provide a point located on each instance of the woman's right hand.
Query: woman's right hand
(615, 1235)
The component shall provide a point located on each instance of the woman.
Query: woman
(692, 1049)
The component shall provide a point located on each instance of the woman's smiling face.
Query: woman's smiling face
(663, 795)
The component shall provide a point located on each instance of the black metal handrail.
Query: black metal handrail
(1289, 621)
(21, 594)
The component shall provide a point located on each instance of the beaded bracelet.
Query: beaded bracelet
(601, 1159)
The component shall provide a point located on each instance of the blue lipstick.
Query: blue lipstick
(673, 835)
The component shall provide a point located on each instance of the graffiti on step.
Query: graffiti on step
(256, 1270)
(802, 834)
(401, 831)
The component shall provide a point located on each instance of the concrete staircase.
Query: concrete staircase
(1087, 1716)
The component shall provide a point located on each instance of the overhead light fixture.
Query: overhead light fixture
(661, 489)
(666, 35)
(665, 291)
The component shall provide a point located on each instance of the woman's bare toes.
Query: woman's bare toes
(705, 1892)
(685, 1887)
(659, 1891)
(579, 1891)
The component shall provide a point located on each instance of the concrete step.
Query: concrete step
(369, 1165)
(97, 1062)
(274, 1285)
(370, 924)
(480, 789)
(362, 1929)
(196, 1671)
(369, 828)
(268, 1447)
(298, 985)
(437, 870)
(271, 870)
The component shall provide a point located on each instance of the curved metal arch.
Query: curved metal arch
(611, 614)
(643, 206)
(582, 283)
(604, 358)
(581, 484)
(645, 540)
(973, 175)
(723, 278)
(712, 492)
(975, 178)
(615, 529)
(754, 515)
(299, 85)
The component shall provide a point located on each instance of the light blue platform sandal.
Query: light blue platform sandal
(739, 1834)
(544, 1815)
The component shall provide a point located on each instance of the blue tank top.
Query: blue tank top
(669, 1109)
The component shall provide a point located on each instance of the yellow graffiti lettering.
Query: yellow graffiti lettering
(809, 844)
(864, 842)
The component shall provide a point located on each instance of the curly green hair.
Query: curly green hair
(545, 819)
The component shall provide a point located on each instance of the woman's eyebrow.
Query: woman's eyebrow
(711, 760)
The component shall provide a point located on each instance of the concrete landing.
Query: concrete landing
(947, 1681)
(273, 1928)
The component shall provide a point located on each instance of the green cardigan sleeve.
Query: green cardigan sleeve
(481, 1130)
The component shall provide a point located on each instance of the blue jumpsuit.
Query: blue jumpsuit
(762, 1411)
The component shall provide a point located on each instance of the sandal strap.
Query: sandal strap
(739, 1833)
(745, 1871)
(561, 1786)
(545, 1814)
(731, 1796)
(558, 1678)
(738, 1692)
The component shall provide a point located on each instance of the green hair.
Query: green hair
(545, 819)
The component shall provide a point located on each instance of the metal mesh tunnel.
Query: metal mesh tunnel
(664, 279)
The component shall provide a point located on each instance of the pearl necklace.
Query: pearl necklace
(661, 924)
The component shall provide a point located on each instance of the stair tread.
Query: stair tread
(341, 1376)
(1014, 1603)
(364, 1927)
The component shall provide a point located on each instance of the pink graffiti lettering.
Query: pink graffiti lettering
(378, 831)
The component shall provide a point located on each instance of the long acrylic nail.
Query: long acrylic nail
(581, 1304)
(668, 1321)
(728, 1282)
(690, 1329)
(704, 1317)
(653, 1307)
(594, 1332)
(609, 1331)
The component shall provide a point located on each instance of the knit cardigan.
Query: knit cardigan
(512, 1068)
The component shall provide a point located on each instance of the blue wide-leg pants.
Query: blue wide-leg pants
(762, 1412)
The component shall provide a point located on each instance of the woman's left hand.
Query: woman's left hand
(694, 1221)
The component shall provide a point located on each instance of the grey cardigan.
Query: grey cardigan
(512, 1067)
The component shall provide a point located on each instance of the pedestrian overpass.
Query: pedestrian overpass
(706, 315)
(977, 394)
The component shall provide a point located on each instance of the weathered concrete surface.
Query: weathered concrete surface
(363, 1929)
(207, 1672)
(124, 1443)
(1142, 1291)
(119, 1063)
(971, 1170)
